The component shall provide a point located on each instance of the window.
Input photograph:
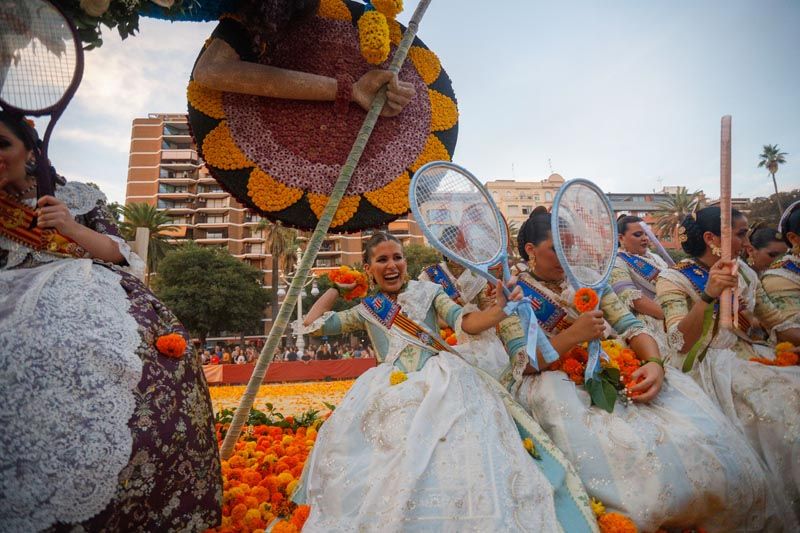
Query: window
(513, 210)
(526, 210)
(547, 196)
(536, 198)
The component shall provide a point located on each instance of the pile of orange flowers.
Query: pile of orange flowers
(784, 356)
(353, 284)
(611, 522)
(260, 477)
(448, 335)
(573, 363)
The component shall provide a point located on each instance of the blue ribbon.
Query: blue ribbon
(534, 336)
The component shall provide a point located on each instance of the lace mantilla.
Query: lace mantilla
(299, 329)
(69, 368)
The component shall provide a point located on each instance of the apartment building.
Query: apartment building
(517, 199)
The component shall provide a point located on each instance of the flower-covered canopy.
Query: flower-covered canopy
(282, 157)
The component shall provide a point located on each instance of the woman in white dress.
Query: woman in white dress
(763, 402)
(669, 459)
(424, 441)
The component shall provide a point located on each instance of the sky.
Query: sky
(628, 94)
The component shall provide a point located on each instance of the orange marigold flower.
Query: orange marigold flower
(390, 8)
(373, 33)
(171, 345)
(444, 113)
(347, 207)
(284, 526)
(427, 64)
(616, 523)
(585, 299)
(300, 515)
(239, 511)
(334, 9)
(221, 151)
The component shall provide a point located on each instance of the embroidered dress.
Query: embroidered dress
(673, 462)
(440, 451)
(762, 401)
(105, 433)
(485, 350)
(634, 277)
(782, 285)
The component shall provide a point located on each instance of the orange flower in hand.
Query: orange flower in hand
(585, 299)
(172, 345)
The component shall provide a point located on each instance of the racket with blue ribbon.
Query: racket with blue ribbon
(585, 239)
(459, 218)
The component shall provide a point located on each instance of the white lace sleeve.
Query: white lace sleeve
(633, 331)
(79, 197)
(675, 337)
(299, 329)
(135, 264)
(628, 296)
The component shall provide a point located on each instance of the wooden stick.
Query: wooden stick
(725, 307)
(315, 242)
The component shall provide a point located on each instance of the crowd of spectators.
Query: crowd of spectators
(227, 355)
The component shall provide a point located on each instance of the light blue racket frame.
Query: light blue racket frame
(592, 367)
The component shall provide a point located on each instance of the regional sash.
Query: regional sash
(787, 264)
(550, 314)
(698, 277)
(384, 311)
(18, 223)
(438, 275)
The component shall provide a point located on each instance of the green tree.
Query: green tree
(673, 210)
(771, 159)
(158, 222)
(115, 210)
(763, 209)
(281, 243)
(418, 256)
(211, 291)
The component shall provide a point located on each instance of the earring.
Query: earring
(716, 250)
(532, 263)
(750, 260)
(30, 167)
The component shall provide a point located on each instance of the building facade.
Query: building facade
(165, 170)
(517, 199)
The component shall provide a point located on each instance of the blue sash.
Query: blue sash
(789, 265)
(438, 275)
(548, 312)
(389, 313)
(643, 268)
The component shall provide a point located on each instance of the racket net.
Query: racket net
(586, 234)
(38, 55)
(457, 213)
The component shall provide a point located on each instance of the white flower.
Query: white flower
(95, 8)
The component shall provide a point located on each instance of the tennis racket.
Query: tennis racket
(41, 66)
(459, 218)
(585, 238)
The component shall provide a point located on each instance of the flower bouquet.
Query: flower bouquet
(350, 282)
(785, 355)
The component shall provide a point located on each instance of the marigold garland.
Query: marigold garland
(347, 207)
(392, 198)
(334, 10)
(611, 522)
(268, 193)
(585, 300)
(397, 377)
(784, 356)
(207, 101)
(434, 150)
(220, 150)
(172, 345)
(389, 8)
(351, 283)
(426, 62)
(395, 32)
(444, 113)
(373, 34)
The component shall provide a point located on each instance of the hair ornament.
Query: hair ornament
(682, 234)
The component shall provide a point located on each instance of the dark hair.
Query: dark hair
(267, 20)
(377, 238)
(534, 230)
(791, 224)
(761, 237)
(21, 129)
(623, 221)
(707, 219)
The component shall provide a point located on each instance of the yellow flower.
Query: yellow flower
(220, 150)
(269, 194)
(207, 101)
(392, 198)
(598, 508)
(433, 150)
(334, 10)
(444, 113)
(373, 33)
(784, 347)
(397, 377)
(389, 8)
(395, 32)
(347, 207)
(426, 63)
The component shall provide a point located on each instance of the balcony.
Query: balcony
(203, 192)
(175, 207)
(211, 237)
(180, 159)
(175, 195)
(212, 222)
(210, 207)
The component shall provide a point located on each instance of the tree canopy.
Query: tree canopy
(210, 291)
(418, 256)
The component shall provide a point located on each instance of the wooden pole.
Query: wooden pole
(314, 243)
(725, 307)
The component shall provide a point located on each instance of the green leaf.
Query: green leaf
(611, 375)
(329, 406)
(602, 394)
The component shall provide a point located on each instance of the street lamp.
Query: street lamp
(312, 280)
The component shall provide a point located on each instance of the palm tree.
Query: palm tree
(673, 210)
(140, 215)
(771, 159)
(281, 242)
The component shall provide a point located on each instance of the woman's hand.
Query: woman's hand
(588, 327)
(398, 93)
(653, 375)
(500, 296)
(721, 276)
(53, 213)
